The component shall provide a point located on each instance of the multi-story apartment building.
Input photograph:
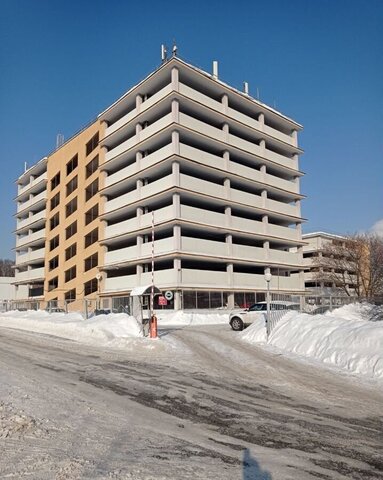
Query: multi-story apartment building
(324, 275)
(217, 171)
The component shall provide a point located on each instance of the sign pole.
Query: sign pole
(153, 318)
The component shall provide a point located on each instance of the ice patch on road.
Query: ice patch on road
(343, 338)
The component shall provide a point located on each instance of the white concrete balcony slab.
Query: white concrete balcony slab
(32, 184)
(144, 221)
(283, 232)
(201, 186)
(157, 97)
(196, 246)
(246, 145)
(35, 237)
(30, 275)
(245, 252)
(201, 157)
(245, 119)
(246, 172)
(200, 98)
(121, 148)
(30, 257)
(201, 127)
(280, 159)
(203, 278)
(257, 282)
(128, 117)
(279, 135)
(37, 217)
(134, 196)
(283, 208)
(288, 185)
(157, 156)
(27, 205)
(156, 127)
(284, 258)
(162, 278)
(120, 284)
(135, 252)
(246, 198)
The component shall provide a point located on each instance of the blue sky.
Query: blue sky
(320, 62)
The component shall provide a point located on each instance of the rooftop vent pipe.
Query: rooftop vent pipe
(215, 69)
(246, 88)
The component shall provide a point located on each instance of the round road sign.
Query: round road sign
(168, 295)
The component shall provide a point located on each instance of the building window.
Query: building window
(72, 164)
(70, 274)
(91, 190)
(71, 186)
(54, 243)
(70, 295)
(91, 214)
(71, 207)
(91, 167)
(54, 221)
(91, 262)
(53, 283)
(55, 181)
(54, 263)
(55, 201)
(71, 251)
(71, 230)
(91, 237)
(92, 144)
(91, 286)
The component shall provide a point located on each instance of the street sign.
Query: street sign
(169, 295)
(162, 300)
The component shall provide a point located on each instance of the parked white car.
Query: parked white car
(239, 319)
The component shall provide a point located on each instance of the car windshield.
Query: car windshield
(258, 307)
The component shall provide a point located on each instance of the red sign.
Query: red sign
(162, 301)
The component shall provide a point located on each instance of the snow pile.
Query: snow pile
(112, 330)
(342, 338)
(181, 318)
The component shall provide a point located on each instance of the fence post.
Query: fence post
(330, 303)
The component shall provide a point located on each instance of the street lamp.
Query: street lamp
(268, 278)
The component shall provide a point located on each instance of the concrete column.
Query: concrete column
(262, 146)
(138, 103)
(296, 161)
(175, 111)
(177, 268)
(138, 160)
(264, 198)
(138, 130)
(298, 227)
(265, 221)
(228, 216)
(139, 184)
(298, 207)
(177, 205)
(226, 158)
(139, 273)
(225, 129)
(294, 136)
(229, 244)
(226, 185)
(177, 300)
(225, 103)
(140, 241)
(175, 79)
(230, 300)
(230, 274)
(263, 172)
(176, 173)
(176, 142)
(266, 247)
(177, 237)
(261, 120)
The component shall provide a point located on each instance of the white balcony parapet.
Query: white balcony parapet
(29, 257)
(25, 188)
(201, 186)
(257, 282)
(205, 278)
(30, 275)
(32, 201)
(32, 219)
(33, 237)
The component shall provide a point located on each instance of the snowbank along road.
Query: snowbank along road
(197, 404)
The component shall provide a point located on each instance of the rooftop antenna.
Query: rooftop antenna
(59, 140)
(25, 167)
(215, 69)
(164, 53)
(174, 49)
(246, 88)
(257, 93)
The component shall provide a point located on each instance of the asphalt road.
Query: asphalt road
(197, 404)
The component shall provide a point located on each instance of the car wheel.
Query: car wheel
(236, 324)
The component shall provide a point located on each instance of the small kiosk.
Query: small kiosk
(140, 305)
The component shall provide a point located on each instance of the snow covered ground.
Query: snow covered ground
(344, 338)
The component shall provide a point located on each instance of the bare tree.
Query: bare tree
(353, 264)
(6, 268)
